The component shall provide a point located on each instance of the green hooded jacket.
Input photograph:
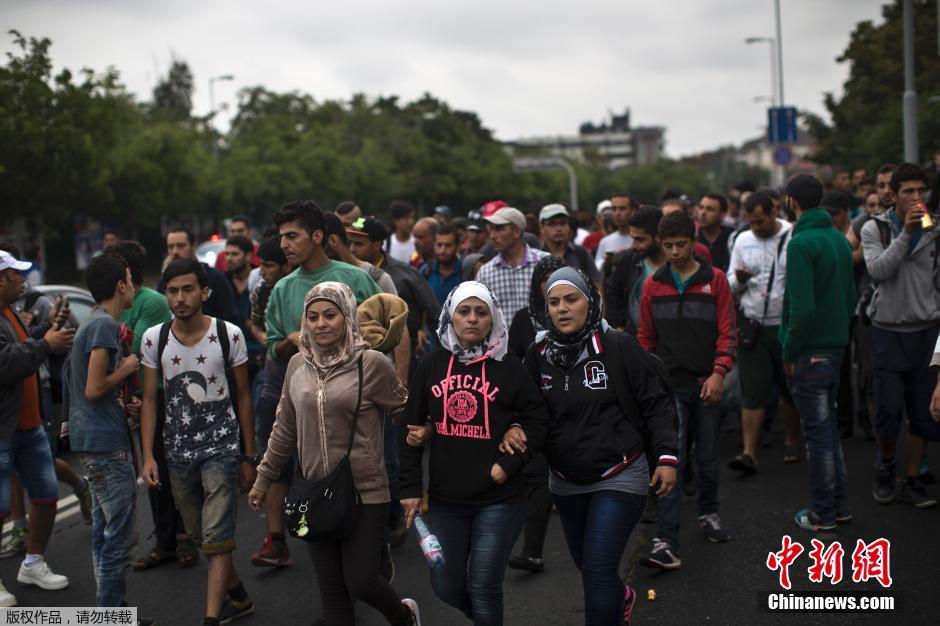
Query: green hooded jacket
(820, 296)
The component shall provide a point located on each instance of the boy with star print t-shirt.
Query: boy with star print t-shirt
(200, 420)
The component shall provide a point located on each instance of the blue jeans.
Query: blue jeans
(815, 387)
(597, 526)
(113, 521)
(704, 420)
(27, 451)
(477, 542)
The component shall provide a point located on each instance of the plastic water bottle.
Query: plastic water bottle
(429, 543)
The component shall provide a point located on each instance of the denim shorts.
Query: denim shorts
(27, 452)
(206, 493)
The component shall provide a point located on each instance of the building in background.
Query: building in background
(612, 143)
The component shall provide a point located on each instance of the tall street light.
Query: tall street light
(773, 63)
(215, 140)
(212, 82)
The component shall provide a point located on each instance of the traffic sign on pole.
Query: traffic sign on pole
(783, 155)
(781, 125)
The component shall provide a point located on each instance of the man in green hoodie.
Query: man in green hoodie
(814, 331)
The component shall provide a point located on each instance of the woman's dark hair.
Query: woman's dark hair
(905, 172)
(240, 241)
(334, 226)
(306, 212)
(103, 274)
(647, 219)
(134, 254)
(677, 224)
(270, 250)
(181, 267)
(759, 199)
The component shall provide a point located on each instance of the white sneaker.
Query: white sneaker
(6, 598)
(40, 575)
(415, 613)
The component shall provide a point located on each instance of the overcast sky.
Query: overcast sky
(526, 67)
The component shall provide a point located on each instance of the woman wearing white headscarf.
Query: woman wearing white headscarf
(314, 419)
(471, 391)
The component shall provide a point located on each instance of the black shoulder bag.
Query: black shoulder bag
(324, 510)
(750, 329)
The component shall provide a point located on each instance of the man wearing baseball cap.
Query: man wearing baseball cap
(555, 228)
(509, 273)
(22, 437)
(476, 234)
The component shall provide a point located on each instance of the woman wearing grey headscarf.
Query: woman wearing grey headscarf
(472, 391)
(596, 446)
(314, 419)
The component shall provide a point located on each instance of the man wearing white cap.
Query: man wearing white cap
(509, 273)
(23, 442)
(555, 229)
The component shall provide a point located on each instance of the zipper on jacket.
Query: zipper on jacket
(566, 382)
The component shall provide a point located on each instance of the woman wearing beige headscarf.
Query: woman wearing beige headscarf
(314, 419)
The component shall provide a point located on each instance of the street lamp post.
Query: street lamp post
(909, 99)
(215, 140)
(773, 63)
(527, 164)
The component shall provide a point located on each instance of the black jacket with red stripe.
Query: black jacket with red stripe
(694, 332)
(589, 437)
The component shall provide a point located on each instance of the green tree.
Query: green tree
(866, 128)
(173, 95)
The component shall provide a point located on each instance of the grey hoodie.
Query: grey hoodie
(906, 298)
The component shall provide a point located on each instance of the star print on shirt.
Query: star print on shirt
(176, 360)
(212, 379)
(200, 359)
(212, 338)
(221, 391)
(235, 338)
(149, 343)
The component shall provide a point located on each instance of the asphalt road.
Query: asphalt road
(718, 583)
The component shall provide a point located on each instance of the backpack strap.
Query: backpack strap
(222, 331)
(163, 339)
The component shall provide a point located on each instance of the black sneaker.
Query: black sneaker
(386, 564)
(528, 563)
(711, 524)
(884, 488)
(230, 612)
(914, 492)
(662, 556)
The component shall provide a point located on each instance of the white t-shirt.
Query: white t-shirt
(401, 251)
(200, 420)
(614, 242)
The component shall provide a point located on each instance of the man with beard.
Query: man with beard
(624, 286)
(202, 365)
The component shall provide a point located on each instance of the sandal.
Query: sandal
(155, 558)
(743, 463)
(186, 553)
(791, 454)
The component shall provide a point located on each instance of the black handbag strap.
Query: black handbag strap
(352, 433)
(773, 273)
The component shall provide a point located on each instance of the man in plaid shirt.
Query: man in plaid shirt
(509, 273)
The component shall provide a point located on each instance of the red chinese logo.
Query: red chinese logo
(826, 563)
(869, 561)
(782, 560)
(872, 560)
